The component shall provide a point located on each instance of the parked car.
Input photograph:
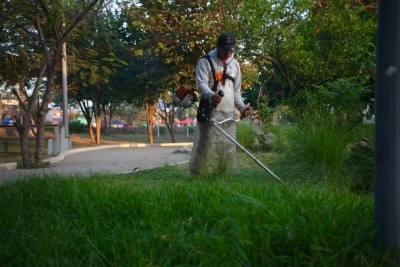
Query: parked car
(117, 124)
(7, 121)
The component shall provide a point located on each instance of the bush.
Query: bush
(192, 129)
(76, 127)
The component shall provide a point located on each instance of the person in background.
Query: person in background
(219, 79)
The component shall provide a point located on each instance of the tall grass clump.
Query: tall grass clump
(317, 148)
(163, 218)
(245, 134)
(360, 163)
(281, 133)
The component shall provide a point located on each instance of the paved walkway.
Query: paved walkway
(116, 159)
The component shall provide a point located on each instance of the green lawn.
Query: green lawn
(161, 217)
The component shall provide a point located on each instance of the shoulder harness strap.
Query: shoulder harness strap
(208, 57)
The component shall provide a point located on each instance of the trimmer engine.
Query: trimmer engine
(185, 96)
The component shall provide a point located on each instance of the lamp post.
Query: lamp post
(387, 127)
(64, 88)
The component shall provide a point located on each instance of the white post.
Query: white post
(187, 124)
(57, 140)
(65, 87)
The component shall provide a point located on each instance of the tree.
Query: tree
(178, 33)
(41, 28)
(307, 43)
(94, 69)
(150, 76)
(166, 110)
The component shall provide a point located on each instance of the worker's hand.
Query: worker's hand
(216, 99)
(247, 111)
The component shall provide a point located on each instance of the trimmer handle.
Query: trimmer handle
(221, 94)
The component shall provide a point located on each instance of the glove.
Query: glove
(247, 111)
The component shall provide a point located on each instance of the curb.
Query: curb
(13, 165)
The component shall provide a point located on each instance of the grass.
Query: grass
(245, 134)
(317, 149)
(143, 138)
(162, 218)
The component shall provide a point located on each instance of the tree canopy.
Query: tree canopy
(138, 51)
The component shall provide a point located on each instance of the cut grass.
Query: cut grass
(161, 217)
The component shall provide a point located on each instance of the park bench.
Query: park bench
(5, 140)
(8, 133)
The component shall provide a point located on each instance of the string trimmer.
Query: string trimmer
(185, 97)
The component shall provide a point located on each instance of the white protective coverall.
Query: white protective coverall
(212, 151)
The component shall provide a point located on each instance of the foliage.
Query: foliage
(93, 66)
(360, 163)
(192, 129)
(180, 32)
(163, 130)
(266, 112)
(317, 147)
(282, 137)
(129, 113)
(303, 44)
(162, 218)
(35, 32)
(76, 127)
(343, 98)
(245, 134)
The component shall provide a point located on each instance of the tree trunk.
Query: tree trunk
(98, 129)
(173, 140)
(23, 125)
(43, 109)
(168, 117)
(23, 131)
(1, 111)
(107, 124)
(150, 115)
(92, 137)
(171, 132)
(39, 141)
(171, 120)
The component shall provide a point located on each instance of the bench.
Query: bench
(56, 141)
(5, 140)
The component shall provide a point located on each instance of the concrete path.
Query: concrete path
(115, 159)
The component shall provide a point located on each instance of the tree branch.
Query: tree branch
(79, 17)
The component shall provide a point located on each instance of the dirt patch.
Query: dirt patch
(85, 140)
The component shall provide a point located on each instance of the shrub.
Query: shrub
(163, 130)
(76, 127)
(192, 129)
(266, 113)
